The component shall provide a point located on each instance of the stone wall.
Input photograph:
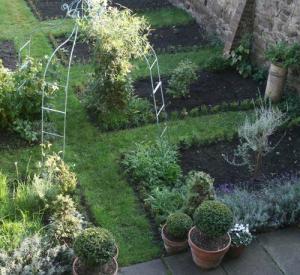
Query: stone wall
(269, 21)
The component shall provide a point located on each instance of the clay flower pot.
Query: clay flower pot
(276, 81)
(173, 247)
(235, 251)
(204, 258)
(75, 264)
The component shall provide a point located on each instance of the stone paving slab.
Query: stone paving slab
(182, 264)
(155, 267)
(284, 248)
(255, 260)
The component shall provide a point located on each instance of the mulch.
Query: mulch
(8, 54)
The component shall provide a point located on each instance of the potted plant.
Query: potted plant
(282, 56)
(241, 237)
(96, 251)
(174, 232)
(209, 239)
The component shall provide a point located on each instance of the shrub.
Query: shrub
(153, 164)
(56, 171)
(95, 246)
(217, 64)
(213, 219)
(163, 201)
(284, 54)
(178, 225)
(66, 222)
(181, 79)
(240, 57)
(36, 256)
(276, 205)
(200, 188)
(254, 137)
(118, 37)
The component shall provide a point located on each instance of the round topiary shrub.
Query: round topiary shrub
(178, 225)
(95, 246)
(214, 219)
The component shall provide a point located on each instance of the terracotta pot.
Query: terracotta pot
(204, 258)
(76, 261)
(173, 247)
(235, 251)
(276, 82)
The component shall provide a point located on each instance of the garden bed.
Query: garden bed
(210, 89)
(9, 140)
(8, 54)
(141, 5)
(167, 39)
(208, 158)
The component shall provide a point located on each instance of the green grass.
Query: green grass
(96, 155)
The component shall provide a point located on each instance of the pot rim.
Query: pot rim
(164, 237)
(279, 65)
(77, 259)
(191, 243)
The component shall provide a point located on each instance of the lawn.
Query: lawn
(95, 155)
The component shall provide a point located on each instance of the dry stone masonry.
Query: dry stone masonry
(268, 20)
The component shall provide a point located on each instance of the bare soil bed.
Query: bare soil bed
(8, 54)
(210, 89)
(208, 158)
(139, 5)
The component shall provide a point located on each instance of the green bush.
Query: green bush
(178, 225)
(217, 64)
(214, 219)
(284, 54)
(200, 188)
(153, 164)
(181, 79)
(95, 246)
(119, 37)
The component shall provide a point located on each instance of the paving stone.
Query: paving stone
(155, 267)
(182, 264)
(284, 248)
(255, 260)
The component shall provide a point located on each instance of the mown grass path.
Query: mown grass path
(96, 155)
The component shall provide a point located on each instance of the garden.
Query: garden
(127, 136)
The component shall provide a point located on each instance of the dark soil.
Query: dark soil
(49, 9)
(9, 140)
(139, 5)
(284, 159)
(175, 38)
(8, 54)
(107, 269)
(82, 51)
(209, 244)
(210, 89)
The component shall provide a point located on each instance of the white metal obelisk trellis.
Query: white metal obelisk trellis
(157, 89)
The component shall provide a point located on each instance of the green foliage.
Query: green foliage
(153, 164)
(118, 37)
(66, 222)
(291, 105)
(37, 256)
(213, 219)
(284, 54)
(276, 205)
(217, 64)
(56, 171)
(164, 201)
(200, 188)
(95, 246)
(240, 235)
(240, 57)
(178, 225)
(181, 79)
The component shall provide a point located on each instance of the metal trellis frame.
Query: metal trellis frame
(157, 90)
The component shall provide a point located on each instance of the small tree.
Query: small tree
(118, 37)
(254, 136)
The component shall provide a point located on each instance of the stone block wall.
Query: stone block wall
(268, 20)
